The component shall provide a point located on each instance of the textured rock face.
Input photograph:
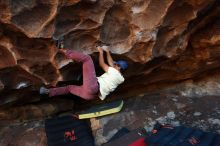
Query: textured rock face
(27, 134)
(165, 41)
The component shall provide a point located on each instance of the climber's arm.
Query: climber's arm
(109, 57)
(103, 65)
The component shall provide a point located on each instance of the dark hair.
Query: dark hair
(100, 44)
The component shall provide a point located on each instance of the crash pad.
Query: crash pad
(139, 142)
(127, 139)
(68, 131)
(164, 135)
(101, 110)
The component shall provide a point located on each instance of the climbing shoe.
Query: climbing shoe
(60, 43)
(44, 91)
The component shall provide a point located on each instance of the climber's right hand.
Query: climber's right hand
(100, 49)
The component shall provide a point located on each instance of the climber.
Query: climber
(92, 86)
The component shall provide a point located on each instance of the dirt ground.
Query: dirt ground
(140, 111)
(145, 110)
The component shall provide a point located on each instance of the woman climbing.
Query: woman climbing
(92, 86)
